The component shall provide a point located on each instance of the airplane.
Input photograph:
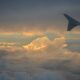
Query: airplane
(72, 23)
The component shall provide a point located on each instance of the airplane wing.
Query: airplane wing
(71, 22)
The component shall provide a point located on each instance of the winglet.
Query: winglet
(71, 22)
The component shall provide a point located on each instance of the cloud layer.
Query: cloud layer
(52, 62)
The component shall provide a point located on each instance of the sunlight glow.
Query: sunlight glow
(37, 44)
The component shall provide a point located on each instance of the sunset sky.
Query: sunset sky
(35, 43)
(30, 15)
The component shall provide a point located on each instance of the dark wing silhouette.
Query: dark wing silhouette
(71, 22)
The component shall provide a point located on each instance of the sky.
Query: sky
(35, 43)
(27, 15)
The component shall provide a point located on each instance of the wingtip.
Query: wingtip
(71, 22)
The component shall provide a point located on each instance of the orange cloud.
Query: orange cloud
(38, 44)
(44, 42)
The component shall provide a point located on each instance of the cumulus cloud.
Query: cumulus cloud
(44, 42)
(38, 44)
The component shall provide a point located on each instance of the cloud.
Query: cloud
(44, 42)
(48, 75)
(53, 62)
(38, 44)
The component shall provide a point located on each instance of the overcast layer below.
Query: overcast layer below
(49, 62)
